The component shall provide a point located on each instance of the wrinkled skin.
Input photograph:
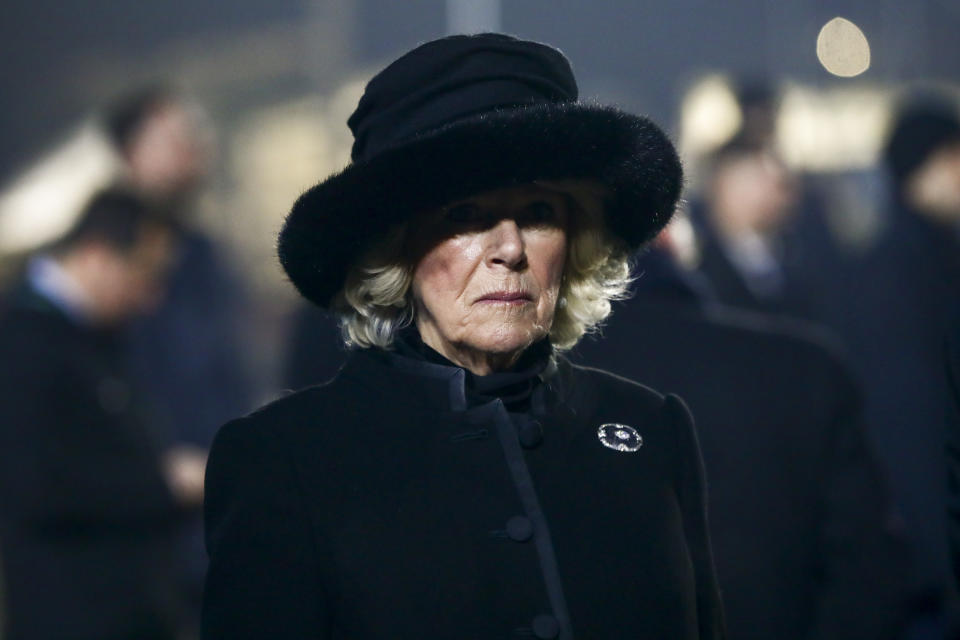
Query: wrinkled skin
(488, 274)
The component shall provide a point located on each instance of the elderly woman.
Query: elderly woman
(459, 478)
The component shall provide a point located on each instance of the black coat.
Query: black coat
(896, 316)
(953, 443)
(380, 506)
(86, 517)
(799, 512)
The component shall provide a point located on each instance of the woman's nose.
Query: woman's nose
(505, 245)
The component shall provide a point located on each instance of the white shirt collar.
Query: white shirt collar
(49, 279)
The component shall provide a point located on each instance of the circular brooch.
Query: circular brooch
(619, 437)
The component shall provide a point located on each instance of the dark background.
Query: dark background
(61, 59)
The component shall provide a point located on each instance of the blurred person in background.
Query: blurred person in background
(749, 198)
(768, 236)
(800, 514)
(759, 102)
(90, 498)
(165, 150)
(188, 354)
(894, 318)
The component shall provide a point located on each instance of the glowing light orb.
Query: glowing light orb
(842, 48)
(709, 116)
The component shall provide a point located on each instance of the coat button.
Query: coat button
(519, 528)
(531, 434)
(546, 626)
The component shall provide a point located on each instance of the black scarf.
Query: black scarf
(513, 386)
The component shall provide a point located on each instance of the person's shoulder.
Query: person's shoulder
(310, 413)
(768, 334)
(34, 337)
(594, 386)
(606, 381)
(289, 410)
(651, 328)
(258, 452)
(595, 391)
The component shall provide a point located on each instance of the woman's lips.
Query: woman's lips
(506, 297)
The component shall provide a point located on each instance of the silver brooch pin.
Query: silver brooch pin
(619, 437)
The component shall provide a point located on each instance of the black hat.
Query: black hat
(463, 115)
(923, 124)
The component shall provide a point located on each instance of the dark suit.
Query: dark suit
(806, 262)
(799, 512)
(85, 525)
(385, 505)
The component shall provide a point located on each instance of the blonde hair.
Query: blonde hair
(376, 300)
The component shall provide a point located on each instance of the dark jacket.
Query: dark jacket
(190, 359)
(799, 512)
(806, 257)
(85, 514)
(381, 506)
(188, 355)
(953, 443)
(894, 321)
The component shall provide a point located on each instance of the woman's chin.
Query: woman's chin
(507, 340)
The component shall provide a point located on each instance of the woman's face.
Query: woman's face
(487, 283)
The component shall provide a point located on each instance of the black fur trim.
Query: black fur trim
(334, 221)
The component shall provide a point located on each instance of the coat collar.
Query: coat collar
(422, 383)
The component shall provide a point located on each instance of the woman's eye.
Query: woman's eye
(539, 212)
(466, 212)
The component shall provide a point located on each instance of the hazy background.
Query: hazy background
(62, 59)
(275, 81)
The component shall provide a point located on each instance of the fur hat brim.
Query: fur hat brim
(335, 221)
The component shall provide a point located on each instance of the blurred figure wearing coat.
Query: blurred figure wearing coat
(89, 501)
(896, 314)
(741, 221)
(800, 516)
(187, 355)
